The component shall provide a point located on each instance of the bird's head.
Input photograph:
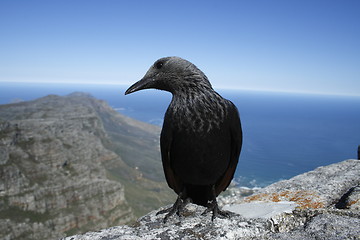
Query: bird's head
(172, 74)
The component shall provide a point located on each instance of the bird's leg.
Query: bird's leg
(172, 210)
(214, 208)
(177, 207)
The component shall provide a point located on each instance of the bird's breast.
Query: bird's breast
(200, 157)
(197, 116)
(200, 139)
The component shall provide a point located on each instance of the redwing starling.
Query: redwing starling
(201, 136)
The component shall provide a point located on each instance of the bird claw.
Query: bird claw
(170, 211)
(164, 211)
(214, 208)
(176, 208)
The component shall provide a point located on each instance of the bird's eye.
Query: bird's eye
(159, 65)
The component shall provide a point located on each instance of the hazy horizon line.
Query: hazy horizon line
(126, 84)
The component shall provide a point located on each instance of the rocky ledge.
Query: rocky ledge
(320, 204)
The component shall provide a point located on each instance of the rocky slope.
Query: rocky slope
(324, 204)
(68, 165)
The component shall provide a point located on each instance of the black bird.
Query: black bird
(201, 136)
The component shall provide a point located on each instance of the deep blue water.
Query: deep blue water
(284, 134)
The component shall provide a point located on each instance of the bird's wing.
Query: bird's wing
(236, 143)
(165, 145)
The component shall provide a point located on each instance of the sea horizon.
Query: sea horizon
(126, 85)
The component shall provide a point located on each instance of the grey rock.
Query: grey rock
(301, 224)
(320, 188)
(328, 226)
(309, 220)
(192, 225)
(4, 155)
(325, 225)
(353, 200)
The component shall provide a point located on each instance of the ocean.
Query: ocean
(284, 134)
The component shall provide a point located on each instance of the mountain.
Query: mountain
(72, 164)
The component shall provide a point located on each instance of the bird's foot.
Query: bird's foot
(176, 208)
(214, 208)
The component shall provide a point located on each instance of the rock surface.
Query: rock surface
(65, 168)
(316, 195)
(321, 188)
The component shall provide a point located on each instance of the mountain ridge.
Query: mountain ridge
(67, 165)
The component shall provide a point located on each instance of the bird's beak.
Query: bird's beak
(142, 84)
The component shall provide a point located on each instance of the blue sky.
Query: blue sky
(301, 46)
